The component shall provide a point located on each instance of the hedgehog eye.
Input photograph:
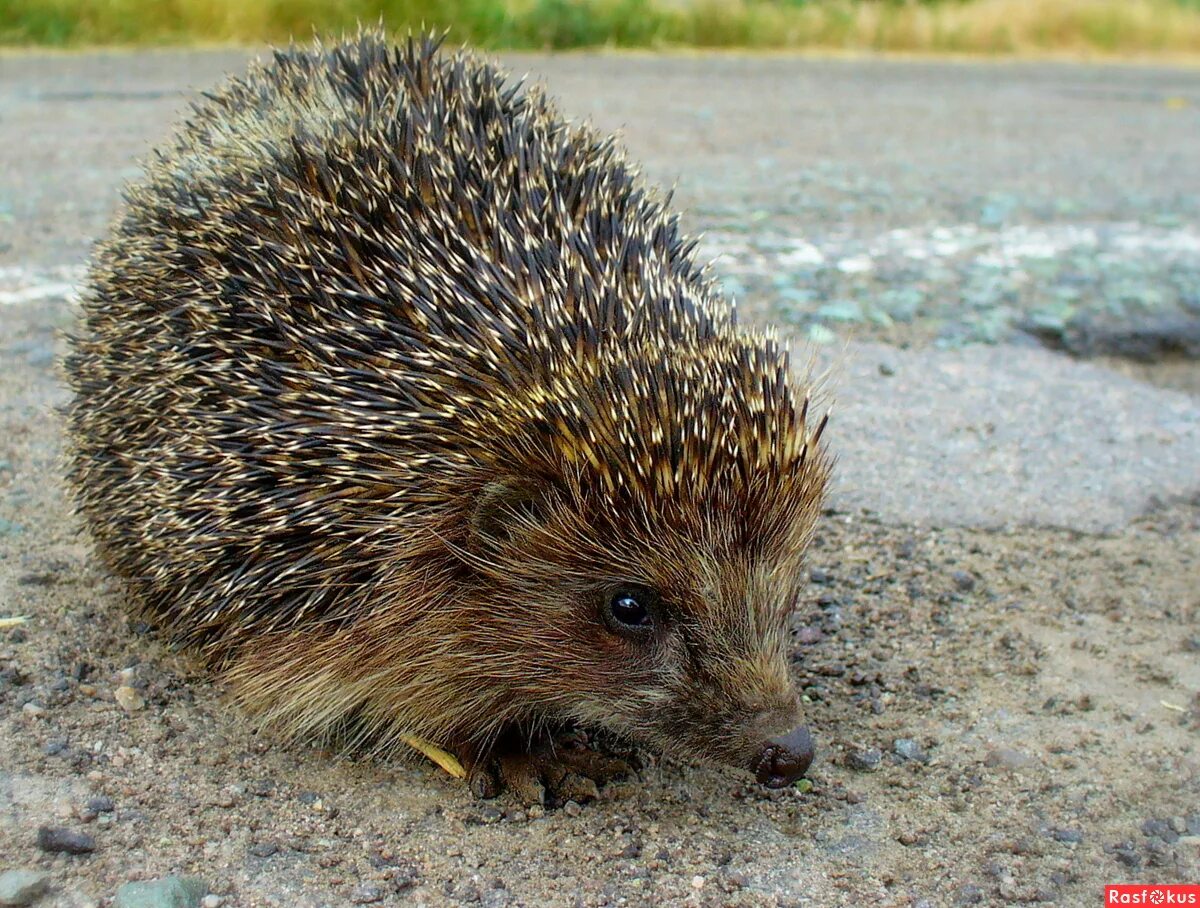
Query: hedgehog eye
(630, 612)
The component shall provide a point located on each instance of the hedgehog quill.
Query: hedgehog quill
(404, 401)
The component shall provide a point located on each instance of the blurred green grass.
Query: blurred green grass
(1125, 27)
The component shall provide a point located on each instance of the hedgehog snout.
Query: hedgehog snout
(784, 759)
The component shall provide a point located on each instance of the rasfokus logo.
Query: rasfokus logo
(1152, 894)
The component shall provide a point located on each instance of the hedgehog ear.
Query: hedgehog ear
(504, 509)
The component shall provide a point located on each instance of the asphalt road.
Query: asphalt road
(793, 139)
(981, 188)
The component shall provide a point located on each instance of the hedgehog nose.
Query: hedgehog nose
(784, 759)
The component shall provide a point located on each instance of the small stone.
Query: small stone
(33, 710)
(572, 809)
(22, 887)
(964, 581)
(1069, 836)
(908, 749)
(697, 882)
(887, 370)
(536, 811)
(866, 760)
(816, 575)
(495, 898)
(809, 635)
(1007, 758)
(489, 815)
(969, 894)
(264, 849)
(1128, 857)
(128, 699)
(168, 892)
(65, 841)
(100, 804)
(367, 894)
(1160, 829)
(212, 901)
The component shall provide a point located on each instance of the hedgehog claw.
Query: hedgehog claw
(521, 776)
(483, 782)
(546, 771)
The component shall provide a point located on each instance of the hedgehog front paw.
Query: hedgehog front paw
(550, 770)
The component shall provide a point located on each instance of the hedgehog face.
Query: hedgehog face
(701, 659)
(675, 638)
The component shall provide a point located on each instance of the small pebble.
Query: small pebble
(212, 901)
(33, 710)
(264, 849)
(22, 887)
(809, 635)
(367, 894)
(1128, 857)
(969, 894)
(100, 804)
(697, 882)
(168, 892)
(536, 811)
(572, 809)
(963, 580)
(1070, 836)
(908, 749)
(495, 898)
(65, 841)
(128, 699)
(866, 760)
(1007, 758)
(1160, 829)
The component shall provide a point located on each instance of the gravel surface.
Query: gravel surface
(998, 647)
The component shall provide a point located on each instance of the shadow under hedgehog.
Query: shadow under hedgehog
(404, 400)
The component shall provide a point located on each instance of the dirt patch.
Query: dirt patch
(1003, 716)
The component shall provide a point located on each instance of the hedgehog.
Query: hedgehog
(404, 401)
